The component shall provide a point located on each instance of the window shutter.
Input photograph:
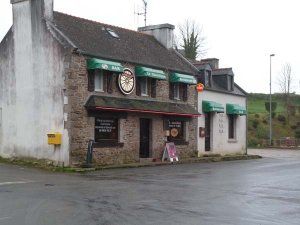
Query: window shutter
(171, 91)
(138, 86)
(184, 92)
(91, 80)
(110, 77)
(105, 75)
(153, 88)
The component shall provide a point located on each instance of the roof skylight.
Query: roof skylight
(112, 33)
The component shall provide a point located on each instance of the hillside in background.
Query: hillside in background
(285, 121)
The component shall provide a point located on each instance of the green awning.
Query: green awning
(148, 72)
(94, 63)
(209, 106)
(140, 106)
(235, 109)
(182, 78)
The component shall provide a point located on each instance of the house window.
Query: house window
(99, 80)
(176, 129)
(106, 129)
(231, 126)
(207, 78)
(144, 86)
(230, 83)
(178, 91)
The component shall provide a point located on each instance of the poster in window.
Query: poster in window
(176, 129)
(106, 129)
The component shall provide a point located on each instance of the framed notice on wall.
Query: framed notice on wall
(170, 152)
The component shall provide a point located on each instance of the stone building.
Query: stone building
(128, 91)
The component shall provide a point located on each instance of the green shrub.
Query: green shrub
(262, 132)
(265, 121)
(255, 123)
(281, 118)
(274, 106)
(294, 127)
(256, 115)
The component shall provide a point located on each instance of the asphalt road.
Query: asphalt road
(258, 192)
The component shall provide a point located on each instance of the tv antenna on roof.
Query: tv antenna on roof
(143, 13)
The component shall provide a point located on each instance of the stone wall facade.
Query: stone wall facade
(81, 124)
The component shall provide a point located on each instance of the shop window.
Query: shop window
(100, 80)
(177, 130)
(178, 91)
(106, 130)
(231, 126)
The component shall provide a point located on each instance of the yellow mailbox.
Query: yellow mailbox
(54, 138)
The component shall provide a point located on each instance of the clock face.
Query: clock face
(126, 81)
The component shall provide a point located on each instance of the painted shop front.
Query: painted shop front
(224, 109)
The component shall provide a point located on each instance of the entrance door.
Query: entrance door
(144, 138)
(207, 131)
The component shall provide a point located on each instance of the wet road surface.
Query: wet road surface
(263, 191)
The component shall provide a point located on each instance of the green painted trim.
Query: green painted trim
(182, 78)
(94, 63)
(148, 72)
(235, 109)
(210, 106)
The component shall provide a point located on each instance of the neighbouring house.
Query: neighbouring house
(71, 78)
(223, 126)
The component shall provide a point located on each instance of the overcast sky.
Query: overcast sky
(242, 34)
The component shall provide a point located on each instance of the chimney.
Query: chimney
(38, 8)
(213, 62)
(163, 33)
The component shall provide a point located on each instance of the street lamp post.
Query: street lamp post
(270, 105)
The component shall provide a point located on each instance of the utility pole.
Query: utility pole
(270, 128)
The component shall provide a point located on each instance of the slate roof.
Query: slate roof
(223, 71)
(92, 39)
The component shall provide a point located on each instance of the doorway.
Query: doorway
(145, 138)
(207, 131)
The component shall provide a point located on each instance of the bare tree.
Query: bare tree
(284, 81)
(192, 39)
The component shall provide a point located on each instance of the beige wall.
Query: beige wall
(220, 143)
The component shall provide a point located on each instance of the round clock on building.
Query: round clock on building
(126, 81)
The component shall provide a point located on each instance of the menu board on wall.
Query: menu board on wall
(106, 129)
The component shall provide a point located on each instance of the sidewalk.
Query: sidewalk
(41, 164)
(204, 159)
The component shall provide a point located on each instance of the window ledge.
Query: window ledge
(98, 90)
(232, 141)
(107, 144)
(180, 142)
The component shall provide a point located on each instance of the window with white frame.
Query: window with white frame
(176, 90)
(144, 86)
(99, 80)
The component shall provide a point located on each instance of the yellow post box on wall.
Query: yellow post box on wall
(54, 138)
